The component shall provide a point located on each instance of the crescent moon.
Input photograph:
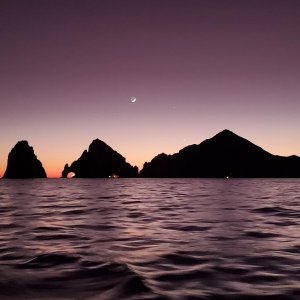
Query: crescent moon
(133, 99)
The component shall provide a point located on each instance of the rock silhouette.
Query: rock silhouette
(225, 154)
(23, 163)
(100, 161)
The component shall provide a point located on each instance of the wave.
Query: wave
(48, 260)
(150, 239)
(63, 275)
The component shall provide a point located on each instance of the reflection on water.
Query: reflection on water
(150, 239)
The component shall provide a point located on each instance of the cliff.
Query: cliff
(225, 154)
(23, 163)
(100, 161)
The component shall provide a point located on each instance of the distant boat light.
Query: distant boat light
(113, 176)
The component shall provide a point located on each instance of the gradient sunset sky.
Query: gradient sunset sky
(69, 67)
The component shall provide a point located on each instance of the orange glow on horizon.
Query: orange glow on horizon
(137, 153)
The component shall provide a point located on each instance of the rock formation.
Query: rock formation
(226, 154)
(100, 161)
(23, 163)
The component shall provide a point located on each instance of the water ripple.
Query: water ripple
(171, 239)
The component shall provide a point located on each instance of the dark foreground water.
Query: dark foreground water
(149, 239)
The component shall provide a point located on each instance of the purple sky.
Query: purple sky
(69, 68)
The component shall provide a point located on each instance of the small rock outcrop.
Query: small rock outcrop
(224, 155)
(100, 161)
(23, 163)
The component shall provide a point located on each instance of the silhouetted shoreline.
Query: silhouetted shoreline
(226, 155)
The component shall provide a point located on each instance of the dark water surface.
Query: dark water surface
(150, 239)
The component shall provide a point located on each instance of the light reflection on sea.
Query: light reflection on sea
(150, 239)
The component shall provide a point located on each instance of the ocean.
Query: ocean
(152, 239)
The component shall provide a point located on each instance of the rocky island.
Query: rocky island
(100, 161)
(23, 163)
(224, 155)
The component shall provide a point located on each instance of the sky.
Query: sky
(68, 69)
